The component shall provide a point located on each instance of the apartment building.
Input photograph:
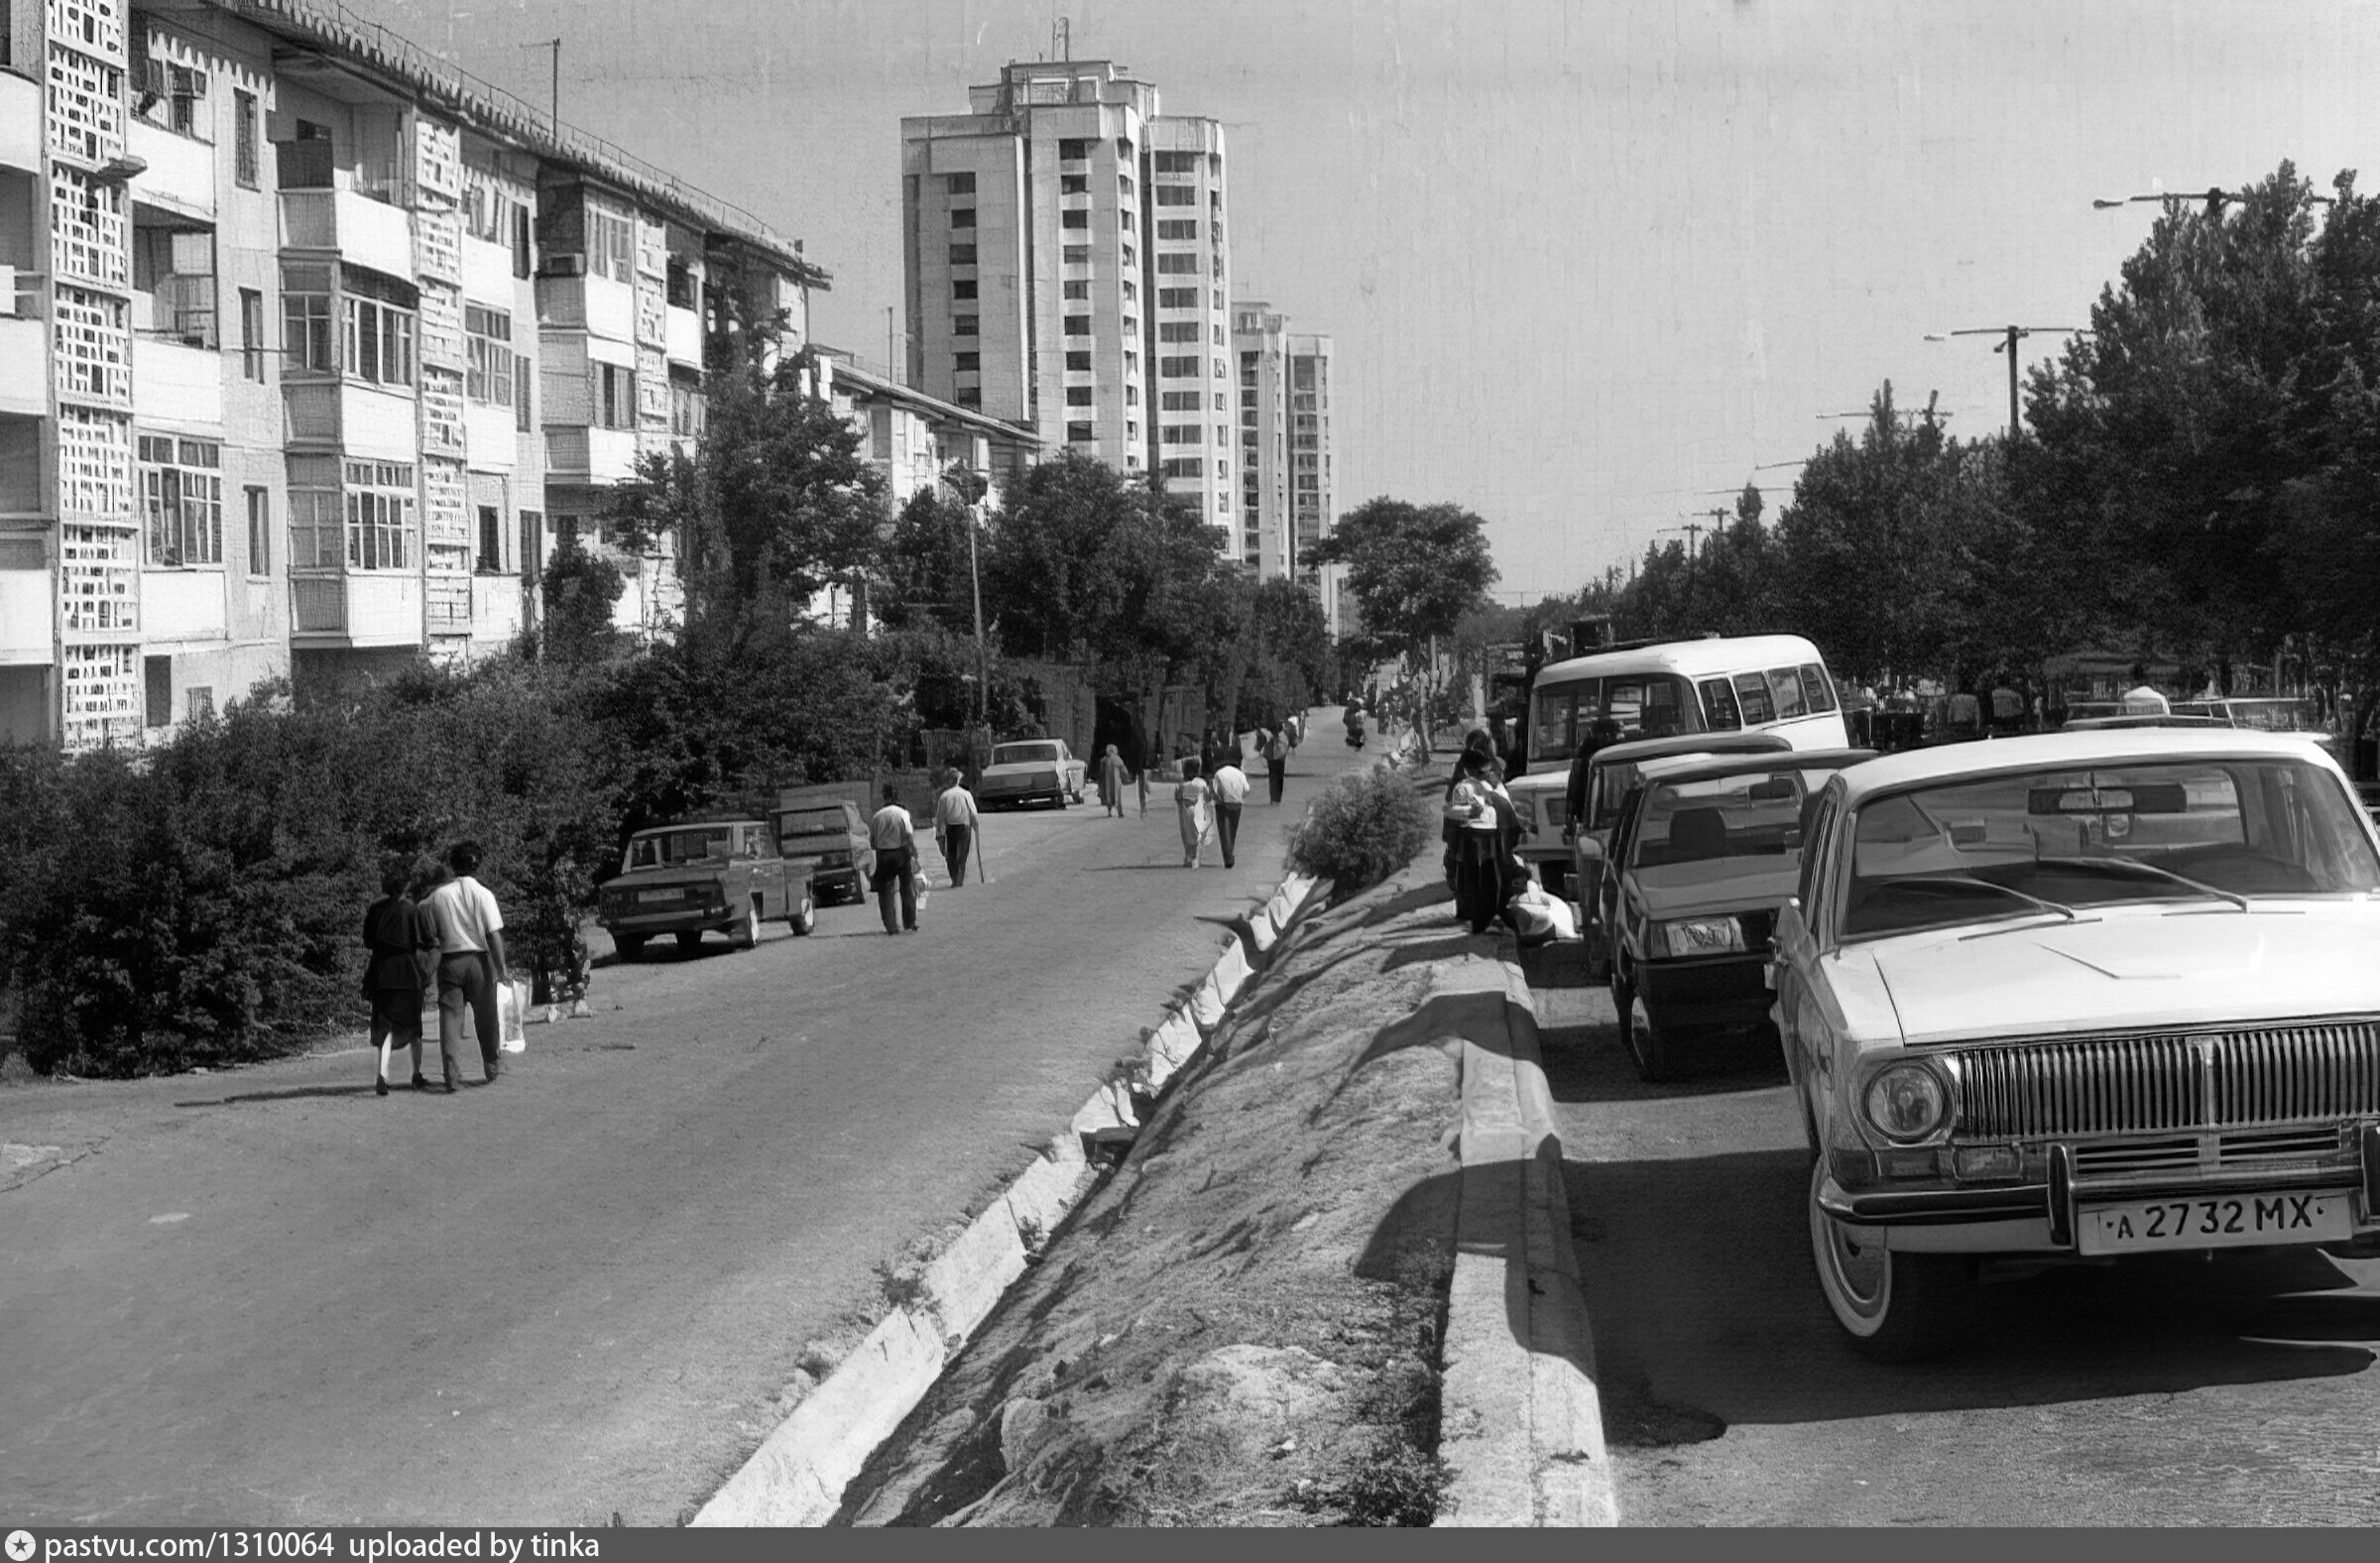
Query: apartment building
(1313, 494)
(316, 348)
(1260, 343)
(1067, 271)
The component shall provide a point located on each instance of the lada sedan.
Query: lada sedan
(1706, 849)
(1037, 769)
(2086, 994)
(700, 876)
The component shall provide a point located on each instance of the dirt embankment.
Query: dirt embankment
(1242, 1327)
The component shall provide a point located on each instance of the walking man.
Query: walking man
(1231, 790)
(471, 964)
(1277, 761)
(955, 822)
(894, 835)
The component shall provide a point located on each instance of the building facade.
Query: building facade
(1067, 271)
(1260, 340)
(312, 350)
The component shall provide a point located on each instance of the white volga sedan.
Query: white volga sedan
(2082, 994)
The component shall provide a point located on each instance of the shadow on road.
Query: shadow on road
(1587, 1063)
(296, 1091)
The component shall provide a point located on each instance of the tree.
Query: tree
(1416, 570)
(927, 573)
(579, 589)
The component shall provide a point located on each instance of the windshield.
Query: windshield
(2275, 716)
(1024, 755)
(1640, 705)
(812, 822)
(1982, 849)
(667, 848)
(1745, 816)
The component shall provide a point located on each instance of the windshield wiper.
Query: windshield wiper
(1915, 880)
(2137, 865)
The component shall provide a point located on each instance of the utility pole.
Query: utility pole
(2011, 335)
(891, 364)
(555, 102)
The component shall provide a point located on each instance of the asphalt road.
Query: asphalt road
(268, 1297)
(2174, 1392)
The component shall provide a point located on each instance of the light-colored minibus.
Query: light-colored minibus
(1755, 683)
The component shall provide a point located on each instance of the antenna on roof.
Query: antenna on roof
(1062, 38)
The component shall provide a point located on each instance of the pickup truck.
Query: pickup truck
(691, 878)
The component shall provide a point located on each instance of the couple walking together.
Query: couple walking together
(1204, 807)
(898, 882)
(454, 935)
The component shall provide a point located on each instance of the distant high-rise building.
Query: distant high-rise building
(1313, 495)
(1057, 237)
(1260, 337)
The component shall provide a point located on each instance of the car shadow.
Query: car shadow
(297, 1093)
(1587, 1063)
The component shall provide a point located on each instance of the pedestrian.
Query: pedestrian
(1231, 791)
(1112, 771)
(1487, 835)
(1603, 733)
(401, 938)
(956, 823)
(471, 964)
(1276, 763)
(894, 835)
(1191, 802)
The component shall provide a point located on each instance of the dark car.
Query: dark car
(830, 836)
(703, 876)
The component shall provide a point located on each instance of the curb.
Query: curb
(797, 1475)
(1521, 1425)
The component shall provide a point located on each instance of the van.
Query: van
(1762, 683)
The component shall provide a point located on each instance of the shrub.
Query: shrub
(1366, 825)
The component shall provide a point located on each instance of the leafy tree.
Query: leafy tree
(579, 590)
(927, 576)
(1416, 570)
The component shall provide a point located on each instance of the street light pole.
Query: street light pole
(2012, 334)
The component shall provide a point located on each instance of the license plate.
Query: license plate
(661, 895)
(2218, 1220)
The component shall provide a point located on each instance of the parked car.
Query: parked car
(1705, 852)
(703, 876)
(2265, 714)
(2084, 994)
(1032, 769)
(1610, 771)
(830, 836)
(2099, 724)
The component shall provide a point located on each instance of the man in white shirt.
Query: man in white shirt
(1231, 790)
(955, 826)
(471, 964)
(894, 835)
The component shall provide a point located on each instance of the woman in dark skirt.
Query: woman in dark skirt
(400, 938)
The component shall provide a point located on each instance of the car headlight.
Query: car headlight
(1524, 809)
(1907, 1102)
(1695, 936)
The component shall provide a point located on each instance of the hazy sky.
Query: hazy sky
(1582, 261)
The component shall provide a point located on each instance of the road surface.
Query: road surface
(266, 1296)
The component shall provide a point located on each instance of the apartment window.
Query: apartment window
(380, 514)
(243, 138)
(1177, 161)
(1177, 297)
(962, 255)
(1176, 196)
(523, 418)
(377, 341)
(1078, 325)
(1078, 289)
(1178, 401)
(1074, 184)
(962, 290)
(1223, 435)
(1219, 294)
(1074, 219)
(959, 183)
(1182, 466)
(317, 540)
(962, 217)
(1176, 368)
(1124, 183)
(1079, 432)
(252, 335)
(1177, 330)
(1132, 396)
(681, 292)
(260, 531)
(611, 245)
(1126, 218)
(1132, 327)
(1178, 264)
(1221, 404)
(685, 407)
(167, 94)
(964, 325)
(1131, 290)
(1177, 227)
(966, 363)
(1129, 258)
(490, 540)
(1073, 149)
(969, 396)
(1079, 359)
(1077, 254)
(1132, 362)
(488, 356)
(1131, 433)
(1178, 434)
(181, 499)
(156, 691)
(614, 395)
(1219, 337)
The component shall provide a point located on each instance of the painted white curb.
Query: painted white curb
(797, 1475)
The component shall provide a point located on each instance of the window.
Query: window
(1178, 264)
(1178, 401)
(1132, 327)
(181, 499)
(488, 351)
(1079, 289)
(156, 691)
(260, 532)
(1078, 325)
(1132, 396)
(1124, 183)
(243, 138)
(1178, 434)
(201, 698)
(963, 217)
(965, 325)
(615, 397)
(962, 255)
(1074, 184)
(1076, 254)
(1177, 332)
(679, 289)
(685, 407)
(317, 540)
(1080, 358)
(1132, 362)
(1219, 337)
(490, 540)
(959, 183)
(1176, 196)
(969, 396)
(380, 514)
(1126, 219)
(1176, 368)
(1222, 403)
(1818, 690)
(523, 421)
(1078, 396)
(1131, 290)
(1182, 466)
(1219, 294)
(611, 245)
(962, 290)
(966, 363)
(377, 341)
(1721, 715)
(1074, 219)
(1177, 227)
(1073, 149)
(1177, 161)
(1223, 434)
(1130, 259)
(1079, 432)
(251, 333)
(1177, 297)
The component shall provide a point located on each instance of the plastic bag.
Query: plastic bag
(511, 1015)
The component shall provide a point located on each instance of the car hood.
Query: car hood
(2127, 967)
(1688, 890)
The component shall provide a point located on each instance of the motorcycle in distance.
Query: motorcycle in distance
(1354, 729)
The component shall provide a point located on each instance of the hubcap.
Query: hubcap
(1857, 1270)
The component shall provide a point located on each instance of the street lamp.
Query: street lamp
(2011, 334)
(2213, 195)
(970, 486)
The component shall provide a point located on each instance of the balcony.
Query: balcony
(28, 609)
(24, 360)
(686, 337)
(184, 605)
(590, 455)
(20, 123)
(180, 176)
(355, 612)
(176, 384)
(596, 304)
(360, 230)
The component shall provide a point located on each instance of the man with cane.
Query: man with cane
(956, 825)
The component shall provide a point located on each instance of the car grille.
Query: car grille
(2153, 1084)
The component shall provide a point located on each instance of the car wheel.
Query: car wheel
(1652, 1048)
(1896, 1307)
(805, 919)
(746, 934)
(1598, 955)
(688, 938)
(629, 946)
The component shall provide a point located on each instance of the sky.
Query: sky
(1590, 266)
